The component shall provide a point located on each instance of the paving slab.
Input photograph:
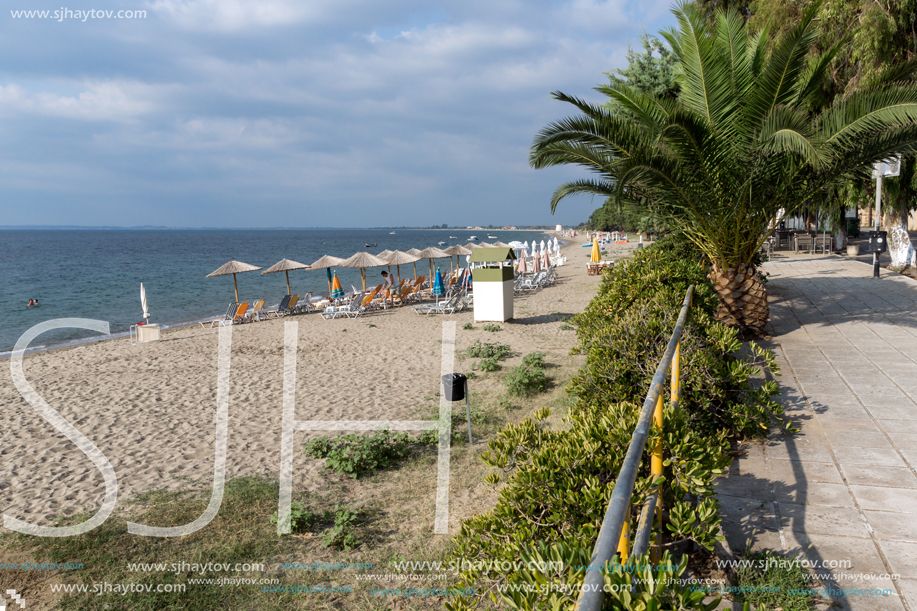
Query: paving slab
(845, 487)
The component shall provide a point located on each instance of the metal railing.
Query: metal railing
(614, 536)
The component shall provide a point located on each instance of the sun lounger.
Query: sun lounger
(227, 318)
(283, 305)
(239, 318)
(356, 311)
(344, 309)
(443, 307)
(254, 313)
(305, 306)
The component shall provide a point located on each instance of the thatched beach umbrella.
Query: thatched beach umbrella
(362, 260)
(384, 255)
(433, 253)
(285, 266)
(416, 252)
(327, 262)
(502, 245)
(233, 267)
(457, 251)
(398, 259)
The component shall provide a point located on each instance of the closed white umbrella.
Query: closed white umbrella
(146, 307)
(556, 245)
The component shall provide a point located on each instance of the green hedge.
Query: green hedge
(557, 483)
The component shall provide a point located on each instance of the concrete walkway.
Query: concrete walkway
(844, 489)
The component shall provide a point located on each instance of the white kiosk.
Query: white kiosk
(493, 284)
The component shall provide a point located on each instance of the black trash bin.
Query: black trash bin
(454, 386)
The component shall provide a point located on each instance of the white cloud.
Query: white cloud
(98, 101)
(236, 15)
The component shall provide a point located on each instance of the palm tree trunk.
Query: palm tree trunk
(899, 242)
(743, 300)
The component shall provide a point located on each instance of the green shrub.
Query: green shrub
(468, 326)
(487, 350)
(340, 535)
(489, 364)
(528, 378)
(355, 455)
(340, 525)
(558, 484)
(624, 332)
(492, 327)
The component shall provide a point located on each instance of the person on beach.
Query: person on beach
(387, 281)
(31, 303)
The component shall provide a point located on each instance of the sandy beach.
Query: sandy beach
(150, 408)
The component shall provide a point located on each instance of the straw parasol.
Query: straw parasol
(502, 245)
(457, 250)
(327, 262)
(233, 267)
(285, 266)
(399, 258)
(416, 252)
(433, 253)
(363, 260)
(485, 245)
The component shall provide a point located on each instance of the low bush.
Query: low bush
(558, 484)
(355, 455)
(489, 350)
(468, 327)
(488, 364)
(528, 378)
(340, 525)
(492, 327)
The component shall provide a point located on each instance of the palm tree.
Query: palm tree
(737, 145)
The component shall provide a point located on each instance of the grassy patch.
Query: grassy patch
(779, 584)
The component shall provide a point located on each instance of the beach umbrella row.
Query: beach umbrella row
(361, 261)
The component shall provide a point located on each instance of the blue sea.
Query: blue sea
(97, 273)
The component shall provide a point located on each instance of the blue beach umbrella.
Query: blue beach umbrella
(438, 284)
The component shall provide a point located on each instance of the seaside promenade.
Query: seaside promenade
(843, 490)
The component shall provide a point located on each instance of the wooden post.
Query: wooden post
(287, 272)
(236, 285)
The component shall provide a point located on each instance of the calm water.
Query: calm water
(97, 274)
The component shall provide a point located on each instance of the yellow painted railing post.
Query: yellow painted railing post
(624, 541)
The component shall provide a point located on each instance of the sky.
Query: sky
(298, 113)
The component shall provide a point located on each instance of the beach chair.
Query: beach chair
(291, 307)
(239, 318)
(254, 313)
(306, 305)
(342, 309)
(227, 317)
(365, 304)
(444, 307)
(283, 305)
